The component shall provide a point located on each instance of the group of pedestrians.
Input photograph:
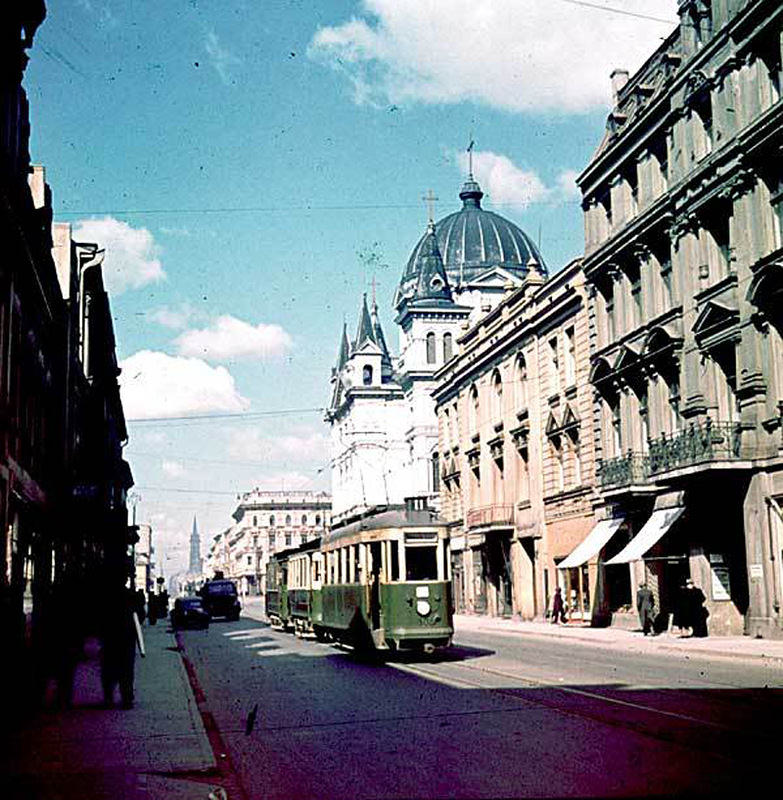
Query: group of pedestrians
(689, 611)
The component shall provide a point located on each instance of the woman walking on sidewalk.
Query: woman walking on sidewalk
(558, 609)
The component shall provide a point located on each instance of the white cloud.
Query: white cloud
(220, 58)
(255, 445)
(509, 185)
(172, 469)
(231, 338)
(175, 318)
(536, 55)
(132, 256)
(154, 384)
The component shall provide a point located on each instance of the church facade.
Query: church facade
(384, 432)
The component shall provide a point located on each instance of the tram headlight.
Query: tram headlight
(423, 607)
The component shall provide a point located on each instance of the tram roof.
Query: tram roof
(392, 517)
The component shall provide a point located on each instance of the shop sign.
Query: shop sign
(721, 588)
(756, 572)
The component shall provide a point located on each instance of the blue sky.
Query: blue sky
(236, 157)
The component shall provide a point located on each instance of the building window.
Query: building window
(367, 375)
(521, 385)
(272, 521)
(559, 466)
(473, 409)
(702, 108)
(288, 540)
(617, 442)
(304, 519)
(776, 198)
(576, 456)
(497, 393)
(554, 367)
(611, 328)
(255, 521)
(317, 519)
(435, 472)
(570, 357)
(644, 416)
(447, 347)
(430, 348)
(659, 151)
(288, 519)
(666, 283)
(673, 387)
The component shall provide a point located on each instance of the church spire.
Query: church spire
(365, 330)
(345, 349)
(433, 283)
(195, 549)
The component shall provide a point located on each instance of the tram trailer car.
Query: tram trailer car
(277, 610)
(386, 582)
(305, 576)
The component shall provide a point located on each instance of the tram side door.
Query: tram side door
(375, 585)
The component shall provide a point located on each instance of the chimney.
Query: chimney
(619, 78)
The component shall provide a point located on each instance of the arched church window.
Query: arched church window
(367, 375)
(430, 348)
(448, 348)
(521, 383)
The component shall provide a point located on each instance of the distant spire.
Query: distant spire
(380, 339)
(345, 349)
(430, 199)
(470, 156)
(195, 549)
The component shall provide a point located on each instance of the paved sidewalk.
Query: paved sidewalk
(158, 750)
(771, 650)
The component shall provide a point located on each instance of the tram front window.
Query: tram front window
(421, 564)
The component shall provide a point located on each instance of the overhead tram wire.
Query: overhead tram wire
(239, 416)
(624, 12)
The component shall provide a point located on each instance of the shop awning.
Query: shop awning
(592, 544)
(651, 532)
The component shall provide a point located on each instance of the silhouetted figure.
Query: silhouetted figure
(558, 608)
(152, 605)
(682, 618)
(696, 610)
(645, 605)
(65, 633)
(118, 644)
(140, 605)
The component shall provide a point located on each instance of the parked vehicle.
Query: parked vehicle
(189, 612)
(220, 599)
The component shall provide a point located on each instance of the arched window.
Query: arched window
(317, 519)
(367, 375)
(448, 350)
(521, 382)
(287, 519)
(255, 521)
(497, 397)
(272, 521)
(304, 519)
(430, 348)
(473, 409)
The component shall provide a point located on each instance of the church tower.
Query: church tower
(195, 550)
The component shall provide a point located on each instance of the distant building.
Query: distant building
(265, 522)
(195, 565)
(144, 561)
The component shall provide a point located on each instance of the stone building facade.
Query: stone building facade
(516, 452)
(266, 522)
(683, 205)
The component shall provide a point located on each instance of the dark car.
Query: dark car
(220, 599)
(189, 612)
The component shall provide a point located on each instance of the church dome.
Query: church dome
(473, 240)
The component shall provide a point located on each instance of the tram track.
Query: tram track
(695, 732)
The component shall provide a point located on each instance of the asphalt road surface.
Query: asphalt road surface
(494, 717)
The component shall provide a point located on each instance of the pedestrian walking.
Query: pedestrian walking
(645, 605)
(558, 608)
(681, 619)
(696, 610)
(118, 644)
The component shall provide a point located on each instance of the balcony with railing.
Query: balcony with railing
(494, 516)
(628, 470)
(699, 443)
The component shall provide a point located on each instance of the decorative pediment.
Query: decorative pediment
(368, 347)
(552, 425)
(496, 277)
(715, 319)
(496, 447)
(662, 338)
(570, 420)
(625, 358)
(766, 287)
(600, 370)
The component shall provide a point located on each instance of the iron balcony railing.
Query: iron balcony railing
(699, 442)
(630, 469)
(486, 516)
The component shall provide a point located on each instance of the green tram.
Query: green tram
(305, 576)
(386, 582)
(276, 603)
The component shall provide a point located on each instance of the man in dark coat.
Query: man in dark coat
(696, 610)
(118, 644)
(645, 604)
(558, 611)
